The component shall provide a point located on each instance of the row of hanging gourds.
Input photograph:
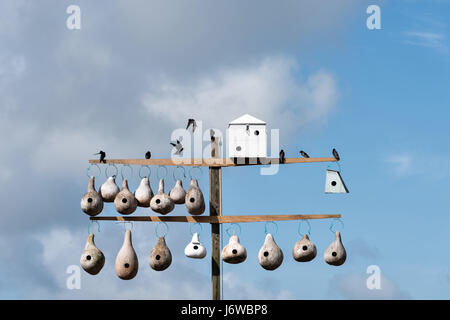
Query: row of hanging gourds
(270, 255)
(126, 202)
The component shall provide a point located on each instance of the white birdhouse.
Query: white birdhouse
(247, 138)
(334, 182)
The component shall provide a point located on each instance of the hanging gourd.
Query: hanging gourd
(178, 193)
(91, 202)
(160, 256)
(335, 254)
(195, 249)
(270, 255)
(304, 250)
(161, 202)
(144, 193)
(92, 259)
(125, 202)
(109, 189)
(126, 261)
(195, 203)
(234, 252)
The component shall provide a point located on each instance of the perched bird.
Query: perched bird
(178, 146)
(102, 156)
(148, 155)
(336, 155)
(304, 154)
(193, 123)
(282, 159)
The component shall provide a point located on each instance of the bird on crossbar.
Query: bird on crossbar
(304, 154)
(282, 158)
(336, 155)
(102, 156)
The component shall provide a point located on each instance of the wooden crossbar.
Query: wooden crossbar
(220, 219)
(210, 162)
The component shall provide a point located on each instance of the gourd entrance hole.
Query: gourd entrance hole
(333, 183)
(305, 248)
(334, 254)
(195, 247)
(89, 200)
(158, 257)
(158, 201)
(192, 199)
(266, 253)
(234, 251)
(88, 257)
(126, 265)
(124, 200)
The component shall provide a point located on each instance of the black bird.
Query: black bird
(102, 156)
(282, 159)
(177, 146)
(336, 155)
(304, 154)
(194, 124)
(148, 155)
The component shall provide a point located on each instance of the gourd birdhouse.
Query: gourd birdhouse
(247, 138)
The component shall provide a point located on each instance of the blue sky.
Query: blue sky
(137, 69)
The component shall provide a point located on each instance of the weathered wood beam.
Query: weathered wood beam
(209, 162)
(220, 219)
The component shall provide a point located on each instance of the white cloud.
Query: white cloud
(353, 286)
(433, 40)
(237, 288)
(402, 164)
(270, 89)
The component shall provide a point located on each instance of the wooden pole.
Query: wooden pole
(215, 209)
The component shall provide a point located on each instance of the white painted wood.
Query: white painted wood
(247, 138)
(334, 182)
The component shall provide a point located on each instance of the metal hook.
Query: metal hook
(300, 225)
(125, 166)
(184, 172)
(190, 171)
(337, 163)
(89, 169)
(90, 223)
(106, 170)
(234, 231)
(157, 227)
(272, 222)
(332, 224)
(125, 222)
(157, 172)
(149, 172)
(197, 223)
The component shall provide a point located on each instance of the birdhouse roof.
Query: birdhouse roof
(247, 119)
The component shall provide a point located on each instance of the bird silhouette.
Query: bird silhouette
(148, 155)
(178, 146)
(336, 155)
(282, 158)
(102, 156)
(304, 154)
(193, 123)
